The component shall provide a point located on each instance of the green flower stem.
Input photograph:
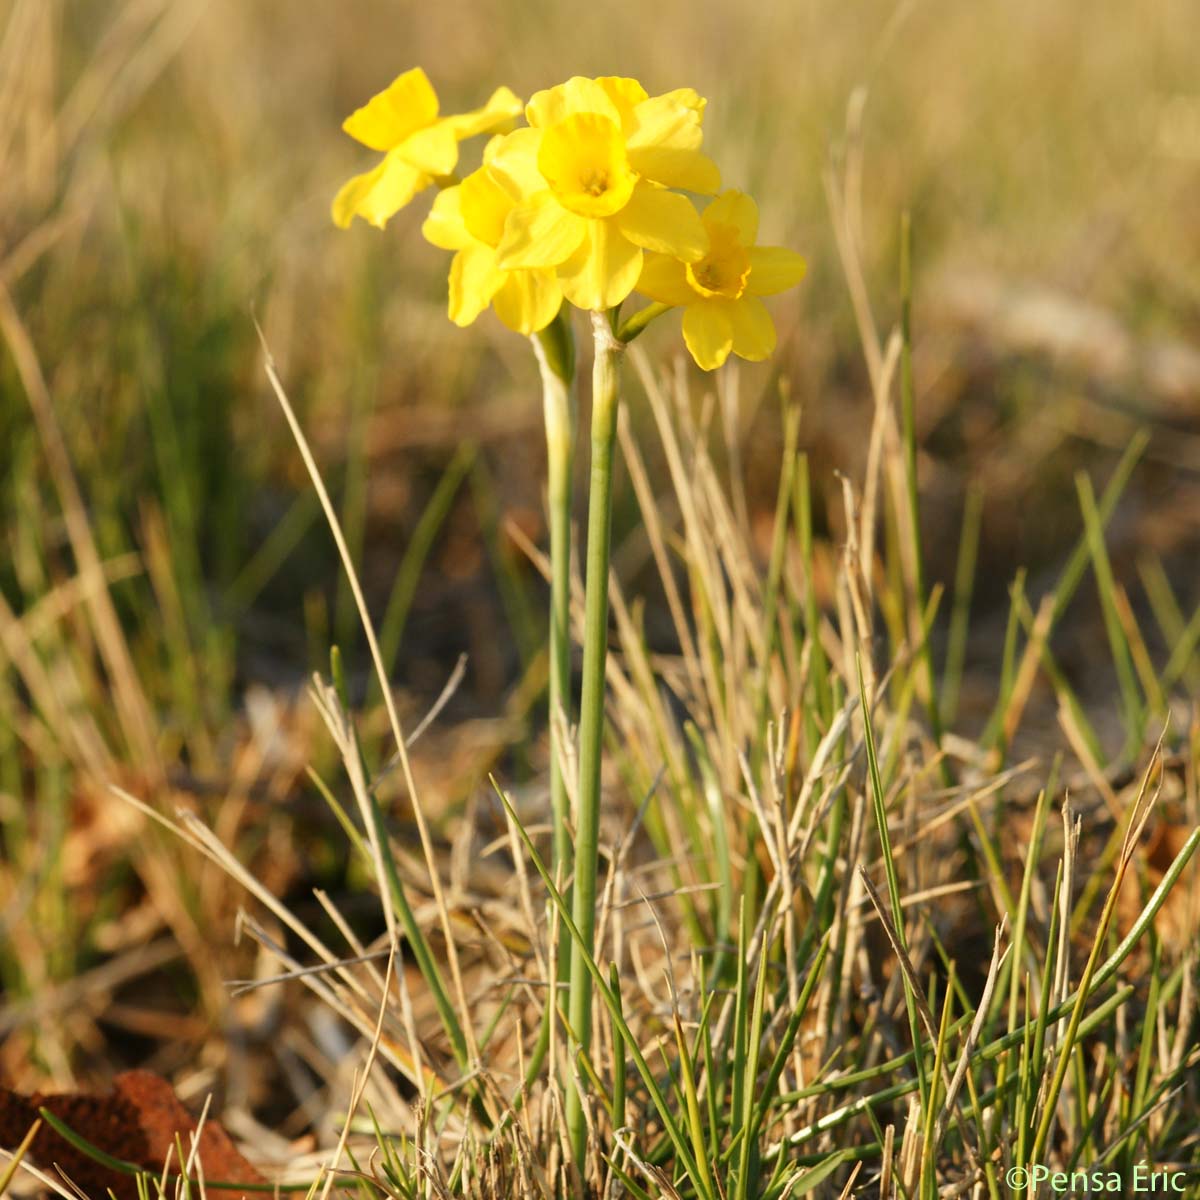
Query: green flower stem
(555, 350)
(635, 324)
(605, 399)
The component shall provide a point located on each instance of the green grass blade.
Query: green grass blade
(670, 1124)
(1131, 699)
(879, 806)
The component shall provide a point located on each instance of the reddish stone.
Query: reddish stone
(137, 1122)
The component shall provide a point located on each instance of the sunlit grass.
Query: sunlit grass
(754, 1032)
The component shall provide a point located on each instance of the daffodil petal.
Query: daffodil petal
(664, 222)
(774, 269)
(689, 98)
(485, 205)
(577, 95)
(664, 279)
(689, 170)
(496, 116)
(603, 271)
(433, 150)
(540, 233)
(753, 329)
(445, 227)
(407, 104)
(474, 280)
(626, 95)
(345, 203)
(664, 121)
(512, 160)
(379, 194)
(735, 209)
(528, 300)
(708, 333)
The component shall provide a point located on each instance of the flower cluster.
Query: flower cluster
(588, 202)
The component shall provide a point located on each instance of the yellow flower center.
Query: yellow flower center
(726, 267)
(583, 160)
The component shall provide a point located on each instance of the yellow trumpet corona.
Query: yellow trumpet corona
(719, 293)
(595, 171)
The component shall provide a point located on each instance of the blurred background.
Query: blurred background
(166, 168)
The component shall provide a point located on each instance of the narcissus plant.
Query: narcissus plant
(588, 202)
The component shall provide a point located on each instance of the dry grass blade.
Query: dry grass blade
(922, 1005)
(1138, 817)
(361, 1076)
(401, 745)
(17, 1157)
(972, 1039)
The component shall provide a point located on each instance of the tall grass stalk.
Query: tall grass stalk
(605, 400)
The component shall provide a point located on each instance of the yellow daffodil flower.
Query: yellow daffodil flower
(719, 293)
(594, 170)
(419, 146)
(469, 219)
